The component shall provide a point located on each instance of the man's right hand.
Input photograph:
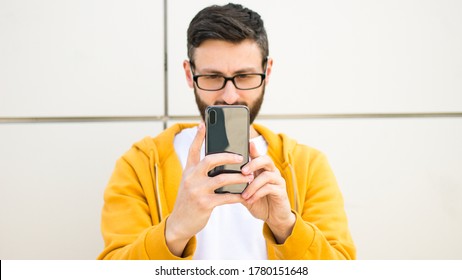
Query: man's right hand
(196, 197)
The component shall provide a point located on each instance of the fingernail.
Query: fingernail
(245, 169)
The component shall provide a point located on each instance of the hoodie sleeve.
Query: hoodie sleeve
(321, 228)
(129, 223)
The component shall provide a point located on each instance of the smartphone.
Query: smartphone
(227, 131)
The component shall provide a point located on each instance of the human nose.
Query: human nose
(230, 95)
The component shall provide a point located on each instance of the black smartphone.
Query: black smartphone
(227, 131)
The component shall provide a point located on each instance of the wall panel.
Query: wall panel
(400, 180)
(81, 58)
(345, 57)
(52, 181)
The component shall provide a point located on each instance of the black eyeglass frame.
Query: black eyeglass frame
(226, 79)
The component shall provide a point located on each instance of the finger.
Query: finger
(260, 163)
(226, 198)
(227, 179)
(268, 189)
(194, 155)
(213, 160)
(265, 178)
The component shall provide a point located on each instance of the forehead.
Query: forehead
(227, 56)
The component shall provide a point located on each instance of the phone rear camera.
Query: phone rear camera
(212, 117)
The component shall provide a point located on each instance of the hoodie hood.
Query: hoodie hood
(280, 149)
(281, 157)
(275, 142)
(149, 144)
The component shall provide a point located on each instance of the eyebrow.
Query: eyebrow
(240, 71)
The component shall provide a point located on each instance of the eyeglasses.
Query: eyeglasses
(214, 82)
(240, 81)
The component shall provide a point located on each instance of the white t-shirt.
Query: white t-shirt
(231, 232)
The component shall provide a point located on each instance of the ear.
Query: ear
(188, 73)
(269, 69)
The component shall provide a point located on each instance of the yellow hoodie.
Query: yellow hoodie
(142, 190)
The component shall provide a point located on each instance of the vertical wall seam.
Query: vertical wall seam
(166, 113)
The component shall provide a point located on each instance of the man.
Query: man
(160, 203)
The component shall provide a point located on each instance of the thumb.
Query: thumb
(194, 155)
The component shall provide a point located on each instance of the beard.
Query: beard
(254, 108)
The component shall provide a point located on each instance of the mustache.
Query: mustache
(235, 103)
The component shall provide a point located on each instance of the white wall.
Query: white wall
(80, 81)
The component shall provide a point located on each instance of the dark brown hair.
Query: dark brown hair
(232, 22)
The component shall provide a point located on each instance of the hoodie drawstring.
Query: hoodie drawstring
(294, 187)
(156, 183)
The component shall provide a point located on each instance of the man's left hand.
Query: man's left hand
(266, 196)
